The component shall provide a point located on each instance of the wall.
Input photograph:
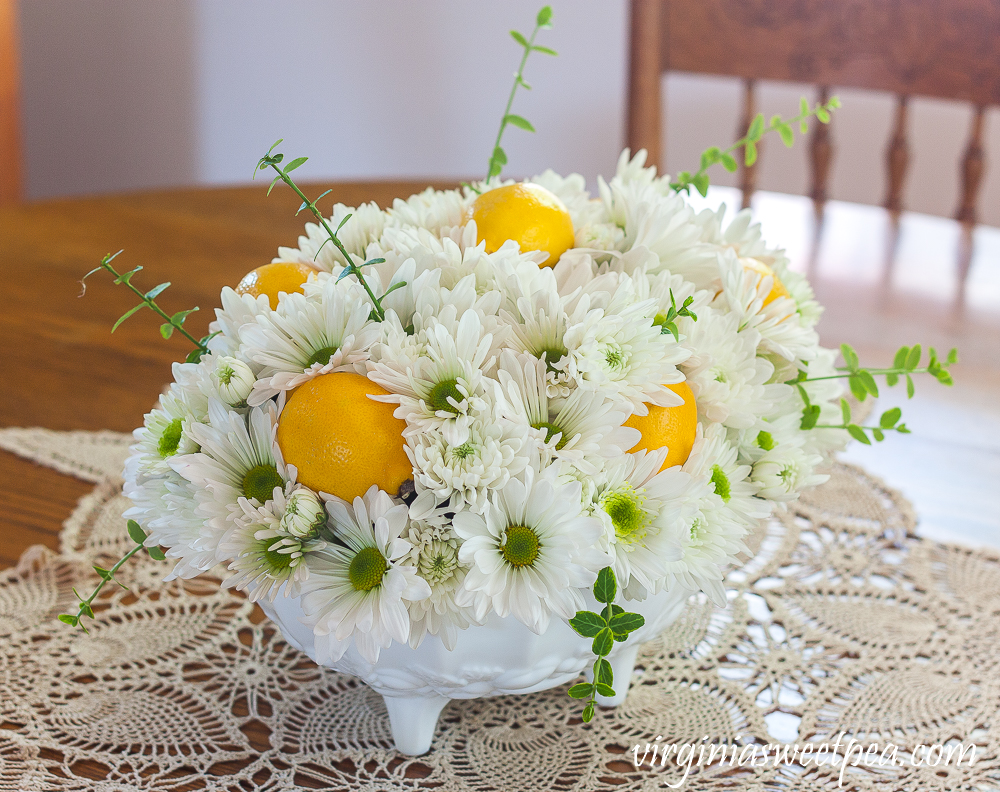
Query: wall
(136, 94)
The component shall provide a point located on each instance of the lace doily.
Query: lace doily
(844, 621)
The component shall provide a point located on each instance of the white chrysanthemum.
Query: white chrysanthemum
(265, 556)
(466, 458)
(233, 380)
(166, 432)
(727, 377)
(786, 469)
(583, 429)
(530, 553)
(642, 509)
(315, 249)
(446, 381)
(358, 591)
(236, 311)
(431, 209)
(307, 337)
(239, 458)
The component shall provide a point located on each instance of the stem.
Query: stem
(85, 604)
(151, 304)
(847, 373)
(311, 206)
(510, 99)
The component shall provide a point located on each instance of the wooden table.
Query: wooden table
(65, 370)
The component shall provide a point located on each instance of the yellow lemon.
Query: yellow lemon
(281, 276)
(527, 213)
(673, 427)
(777, 289)
(341, 441)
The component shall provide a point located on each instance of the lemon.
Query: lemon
(281, 276)
(526, 213)
(777, 289)
(341, 441)
(673, 427)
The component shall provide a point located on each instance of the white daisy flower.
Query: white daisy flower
(236, 311)
(357, 591)
(583, 429)
(431, 209)
(166, 432)
(466, 458)
(315, 249)
(641, 509)
(530, 553)
(307, 337)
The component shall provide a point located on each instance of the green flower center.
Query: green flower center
(765, 441)
(721, 482)
(438, 563)
(277, 563)
(260, 481)
(697, 529)
(440, 393)
(624, 507)
(788, 475)
(321, 356)
(170, 439)
(225, 374)
(367, 569)
(615, 357)
(551, 355)
(465, 450)
(521, 546)
(551, 430)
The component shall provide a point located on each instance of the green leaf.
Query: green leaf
(878, 435)
(857, 387)
(604, 690)
(544, 50)
(135, 532)
(195, 355)
(913, 359)
(850, 357)
(944, 377)
(582, 690)
(86, 610)
(610, 610)
(126, 315)
(890, 418)
(274, 181)
(500, 156)
(803, 106)
(891, 379)
(810, 416)
(156, 291)
(902, 429)
(858, 434)
(822, 115)
(910, 389)
(729, 163)
(69, 619)
(605, 587)
(869, 382)
(700, 183)
(765, 440)
(750, 154)
(179, 317)
(156, 553)
(587, 623)
(126, 277)
(391, 289)
(845, 410)
(952, 357)
(519, 38)
(104, 573)
(295, 163)
(166, 329)
(756, 130)
(588, 712)
(519, 121)
(603, 642)
(544, 18)
(347, 217)
(603, 672)
(834, 102)
(626, 622)
(787, 135)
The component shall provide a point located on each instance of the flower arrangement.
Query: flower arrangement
(491, 399)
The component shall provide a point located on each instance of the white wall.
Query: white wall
(135, 94)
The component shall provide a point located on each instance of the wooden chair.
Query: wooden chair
(948, 49)
(10, 115)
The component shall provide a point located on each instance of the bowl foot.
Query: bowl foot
(413, 720)
(622, 665)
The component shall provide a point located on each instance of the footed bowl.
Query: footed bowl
(502, 657)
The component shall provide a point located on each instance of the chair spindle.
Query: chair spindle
(821, 151)
(748, 176)
(897, 158)
(644, 125)
(973, 165)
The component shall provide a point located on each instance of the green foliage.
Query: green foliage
(862, 384)
(668, 321)
(612, 624)
(273, 161)
(498, 158)
(785, 129)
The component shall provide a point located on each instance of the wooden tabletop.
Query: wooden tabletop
(64, 368)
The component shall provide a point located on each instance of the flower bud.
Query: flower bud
(235, 380)
(304, 514)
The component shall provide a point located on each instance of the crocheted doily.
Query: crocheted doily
(844, 621)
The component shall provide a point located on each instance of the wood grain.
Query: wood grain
(10, 106)
(65, 369)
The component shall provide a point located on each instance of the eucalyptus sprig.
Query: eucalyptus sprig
(861, 381)
(171, 322)
(757, 130)
(612, 624)
(273, 161)
(668, 320)
(138, 536)
(499, 157)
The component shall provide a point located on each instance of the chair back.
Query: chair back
(10, 106)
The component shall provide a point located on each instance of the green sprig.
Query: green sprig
(86, 608)
(756, 131)
(498, 157)
(273, 160)
(612, 624)
(171, 322)
(668, 320)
